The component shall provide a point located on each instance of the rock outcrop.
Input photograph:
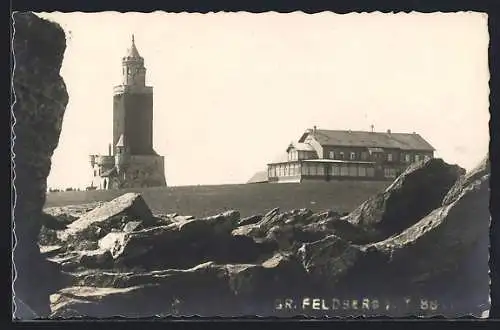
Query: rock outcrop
(40, 102)
(415, 193)
(444, 255)
(313, 263)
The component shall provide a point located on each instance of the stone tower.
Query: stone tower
(133, 106)
(131, 161)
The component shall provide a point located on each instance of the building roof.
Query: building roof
(404, 141)
(281, 158)
(300, 146)
(132, 51)
(120, 142)
(258, 177)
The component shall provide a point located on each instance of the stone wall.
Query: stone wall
(142, 171)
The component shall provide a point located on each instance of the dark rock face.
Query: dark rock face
(250, 220)
(40, 102)
(415, 193)
(206, 290)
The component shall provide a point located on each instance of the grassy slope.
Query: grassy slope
(247, 198)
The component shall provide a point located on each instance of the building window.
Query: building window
(362, 171)
(390, 172)
(335, 170)
(407, 158)
(321, 170)
(389, 157)
(353, 156)
(344, 171)
(427, 157)
(353, 171)
(305, 170)
(341, 154)
(417, 158)
(312, 170)
(370, 172)
(331, 155)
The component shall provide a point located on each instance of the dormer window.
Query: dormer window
(353, 156)
(331, 155)
(341, 155)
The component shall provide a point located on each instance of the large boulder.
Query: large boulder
(111, 215)
(184, 244)
(40, 102)
(443, 256)
(419, 190)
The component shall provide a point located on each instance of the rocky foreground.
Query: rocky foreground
(418, 248)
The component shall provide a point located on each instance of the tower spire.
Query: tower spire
(132, 51)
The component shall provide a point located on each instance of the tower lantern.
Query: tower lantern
(134, 72)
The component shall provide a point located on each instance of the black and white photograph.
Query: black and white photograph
(235, 164)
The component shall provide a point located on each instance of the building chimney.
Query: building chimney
(388, 131)
(109, 149)
(372, 127)
(314, 129)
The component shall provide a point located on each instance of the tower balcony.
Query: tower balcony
(132, 89)
(104, 160)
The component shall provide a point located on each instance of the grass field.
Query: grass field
(248, 199)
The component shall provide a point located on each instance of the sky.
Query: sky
(232, 90)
